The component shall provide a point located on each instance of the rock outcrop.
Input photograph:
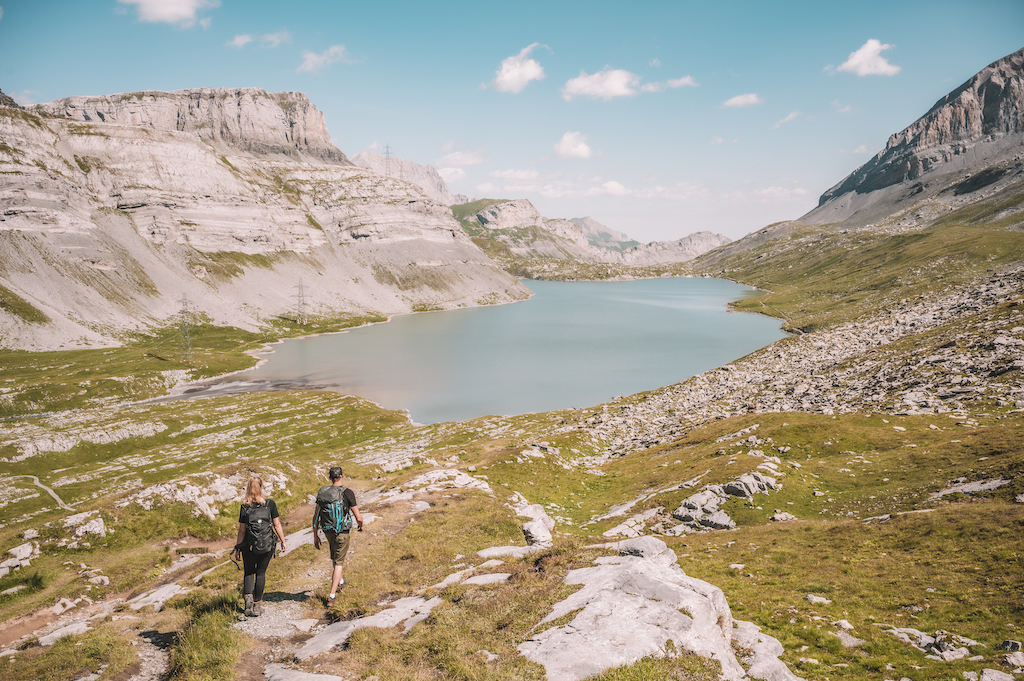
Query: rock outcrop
(240, 120)
(106, 227)
(424, 177)
(977, 127)
(638, 604)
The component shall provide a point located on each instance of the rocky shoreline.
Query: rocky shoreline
(931, 354)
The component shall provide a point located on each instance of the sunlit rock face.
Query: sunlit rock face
(976, 128)
(121, 207)
(249, 120)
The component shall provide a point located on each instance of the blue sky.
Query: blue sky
(656, 118)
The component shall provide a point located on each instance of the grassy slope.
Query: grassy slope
(817, 277)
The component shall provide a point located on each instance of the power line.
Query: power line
(387, 160)
(300, 304)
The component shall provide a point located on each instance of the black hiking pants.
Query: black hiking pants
(255, 565)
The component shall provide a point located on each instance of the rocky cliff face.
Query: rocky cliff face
(246, 120)
(521, 227)
(976, 126)
(105, 227)
(424, 177)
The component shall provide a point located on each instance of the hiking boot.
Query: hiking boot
(341, 585)
(249, 612)
(257, 609)
(330, 601)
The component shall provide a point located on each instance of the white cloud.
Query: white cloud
(240, 40)
(605, 85)
(447, 147)
(312, 62)
(740, 101)
(654, 62)
(1, 13)
(840, 107)
(573, 145)
(793, 115)
(272, 40)
(461, 158)
(868, 61)
(779, 194)
(685, 81)
(517, 71)
(451, 174)
(181, 12)
(26, 97)
(862, 149)
(206, 22)
(516, 174)
(613, 188)
(269, 40)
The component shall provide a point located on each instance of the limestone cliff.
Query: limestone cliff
(105, 227)
(424, 177)
(979, 125)
(242, 120)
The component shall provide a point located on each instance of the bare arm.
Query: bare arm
(316, 533)
(280, 533)
(359, 517)
(241, 533)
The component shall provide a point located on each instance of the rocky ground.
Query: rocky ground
(934, 354)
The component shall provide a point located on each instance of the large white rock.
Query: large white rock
(630, 607)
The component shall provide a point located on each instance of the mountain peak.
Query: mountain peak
(972, 126)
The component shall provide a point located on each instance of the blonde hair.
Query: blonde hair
(254, 491)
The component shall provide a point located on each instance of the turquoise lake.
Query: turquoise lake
(573, 344)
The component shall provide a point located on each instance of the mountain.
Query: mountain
(282, 125)
(603, 237)
(425, 177)
(520, 228)
(969, 140)
(117, 208)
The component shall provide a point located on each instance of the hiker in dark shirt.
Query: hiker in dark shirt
(337, 541)
(255, 545)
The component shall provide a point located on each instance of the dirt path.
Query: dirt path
(47, 489)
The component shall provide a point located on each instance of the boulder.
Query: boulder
(630, 607)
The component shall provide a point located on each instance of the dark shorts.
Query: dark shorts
(338, 544)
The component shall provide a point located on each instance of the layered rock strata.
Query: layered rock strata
(247, 120)
(424, 177)
(108, 228)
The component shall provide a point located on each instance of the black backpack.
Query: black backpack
(333, 511)
(259, 531)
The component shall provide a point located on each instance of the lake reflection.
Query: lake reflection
(574, 344)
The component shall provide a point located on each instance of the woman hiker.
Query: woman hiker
(258, 522)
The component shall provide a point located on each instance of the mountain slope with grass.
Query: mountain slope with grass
(848, 501)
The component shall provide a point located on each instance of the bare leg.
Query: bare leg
(336, 578)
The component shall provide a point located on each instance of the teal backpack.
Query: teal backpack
(334, 513)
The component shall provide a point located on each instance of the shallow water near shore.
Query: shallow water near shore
(573, 344)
